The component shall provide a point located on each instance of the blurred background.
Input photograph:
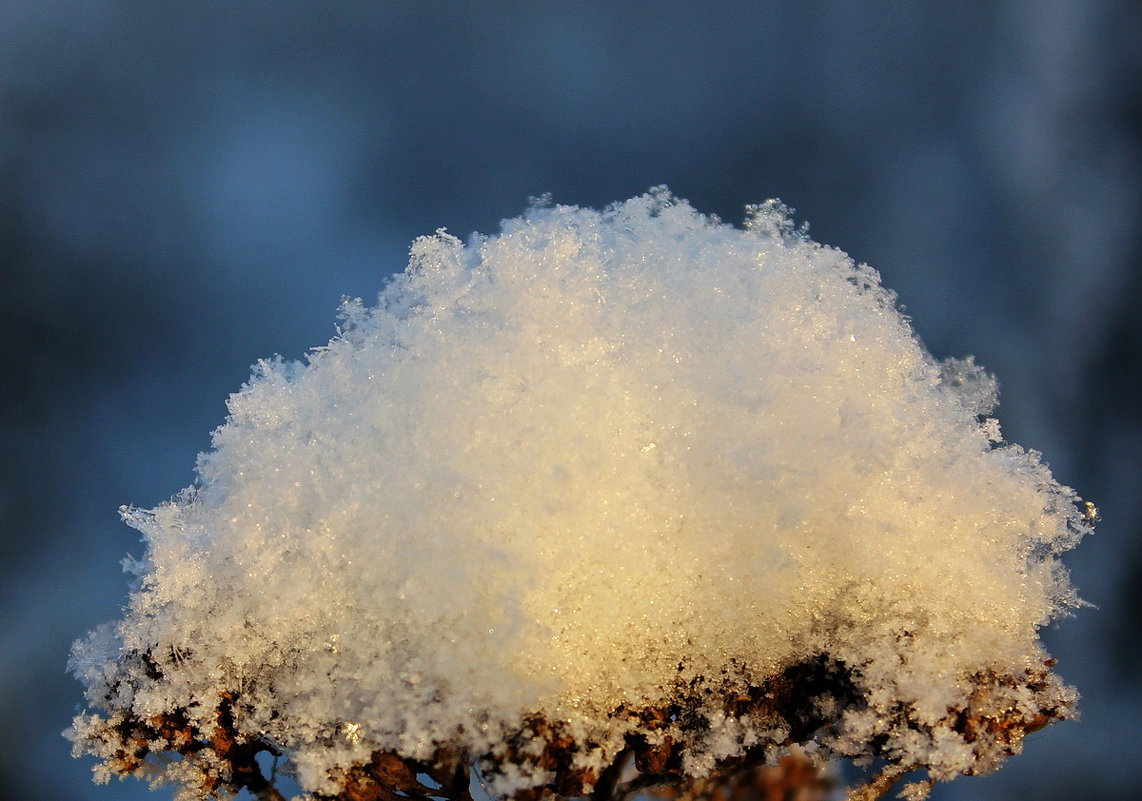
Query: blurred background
(188, 187)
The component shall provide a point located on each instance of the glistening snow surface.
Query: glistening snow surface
(575, 466)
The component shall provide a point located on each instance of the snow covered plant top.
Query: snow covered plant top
(609, 483)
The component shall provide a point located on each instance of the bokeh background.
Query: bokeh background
(187, 187)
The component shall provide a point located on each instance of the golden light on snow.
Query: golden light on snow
(616, 482)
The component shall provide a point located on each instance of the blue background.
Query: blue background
(187, 187)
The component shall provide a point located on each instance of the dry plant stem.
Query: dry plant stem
(227, 757)
(879, 786)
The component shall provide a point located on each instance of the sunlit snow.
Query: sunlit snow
(601, 461)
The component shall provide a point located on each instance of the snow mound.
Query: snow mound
(609, 481)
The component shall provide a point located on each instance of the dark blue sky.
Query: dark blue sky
(185, 189)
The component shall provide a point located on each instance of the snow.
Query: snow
(602, 462)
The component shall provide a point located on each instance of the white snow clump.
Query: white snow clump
(602, 463)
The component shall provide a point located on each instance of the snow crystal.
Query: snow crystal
(602, 463)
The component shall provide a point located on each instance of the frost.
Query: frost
(615, 482)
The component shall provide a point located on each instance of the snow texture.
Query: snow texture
(574, 467)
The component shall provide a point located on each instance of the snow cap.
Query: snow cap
(602, 463)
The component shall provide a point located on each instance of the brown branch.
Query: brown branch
(880, 785)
